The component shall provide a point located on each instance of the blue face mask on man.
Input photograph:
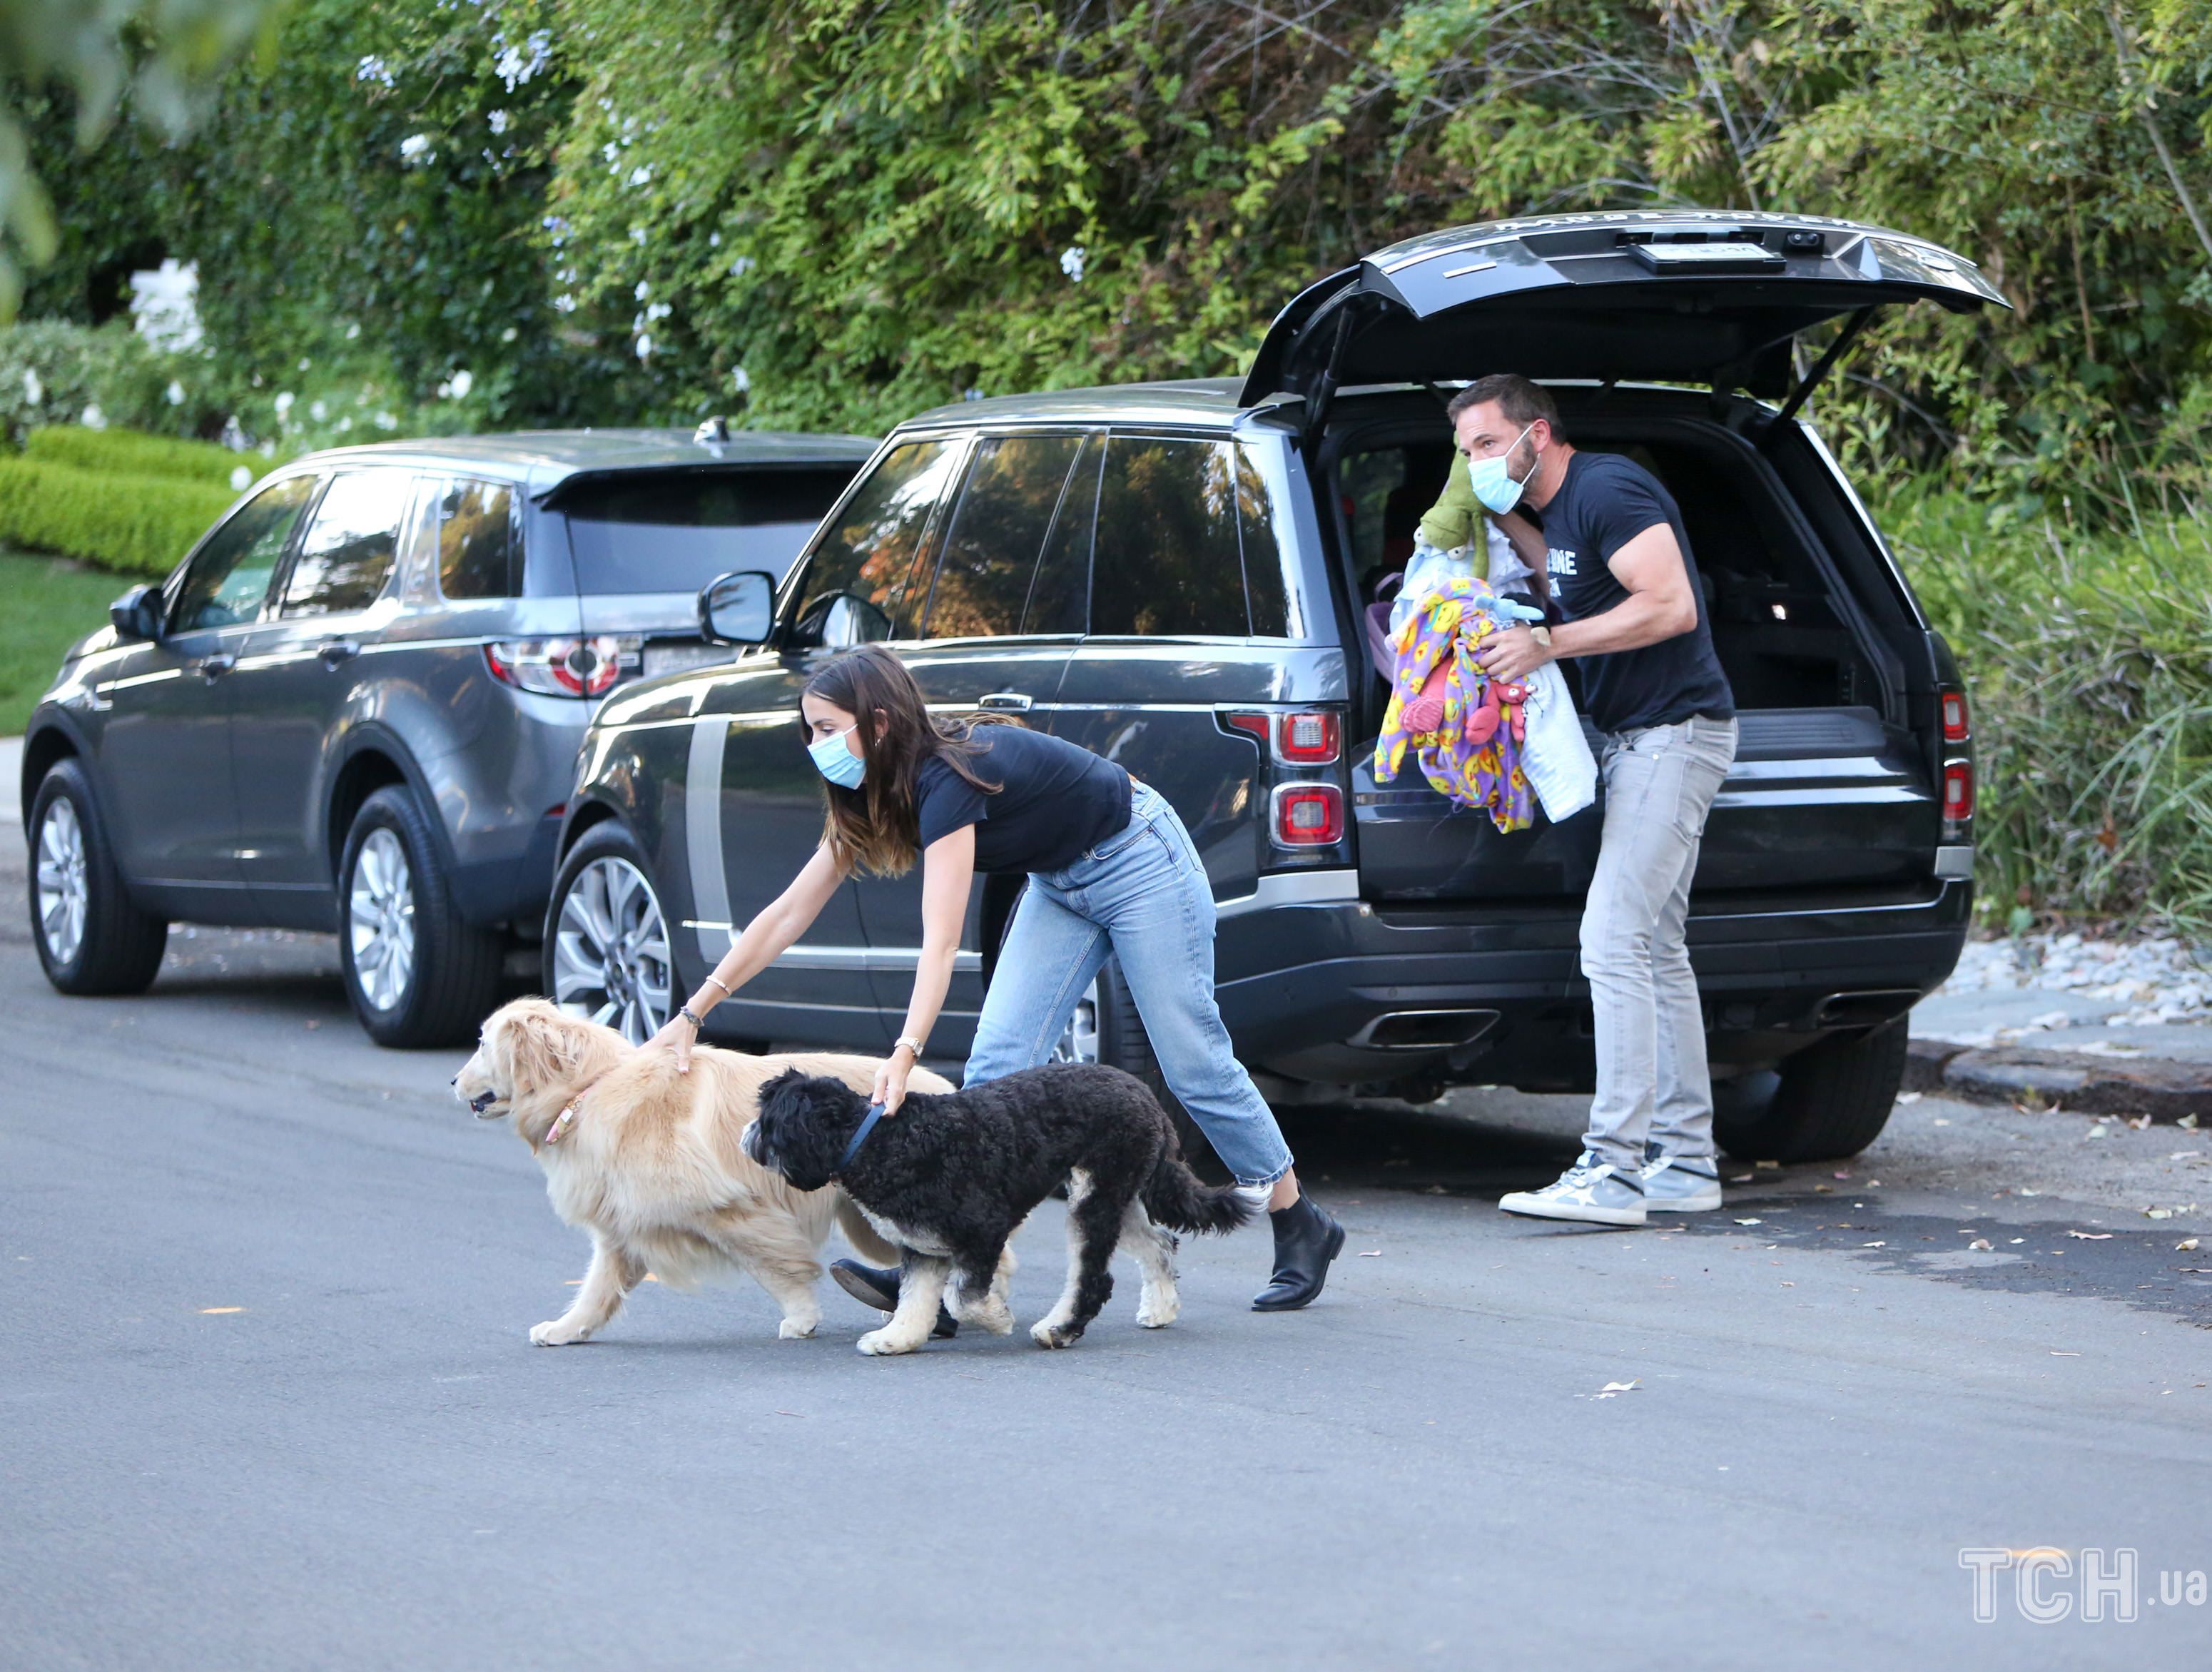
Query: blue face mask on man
(1496, 489)
(839, 764)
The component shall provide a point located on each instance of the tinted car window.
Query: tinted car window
(868, 552)
(230, 576)
(345, 557)
(478, 555)
(1165, 559)
(1006, 510)
(1265, 592)
(673, 532)
(1059, 599)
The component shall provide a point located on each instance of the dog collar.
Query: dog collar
(561, 1121)
(868, 1125)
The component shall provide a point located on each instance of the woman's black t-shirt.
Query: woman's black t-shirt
(1056, 800)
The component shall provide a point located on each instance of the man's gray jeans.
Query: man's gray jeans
(1652, 1079)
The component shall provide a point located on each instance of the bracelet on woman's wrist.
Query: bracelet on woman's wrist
(692, 1017)
(911, 1043)
(716, 981)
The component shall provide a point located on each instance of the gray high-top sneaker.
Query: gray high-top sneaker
(1680, 1183)
(1593, 1191)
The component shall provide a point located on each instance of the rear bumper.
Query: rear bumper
(1343, 992)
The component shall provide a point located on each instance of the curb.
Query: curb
(2157, 1086)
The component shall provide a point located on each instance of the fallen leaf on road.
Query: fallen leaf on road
(1765, 1165)
(1787, 1284)
(2090, 1236)
(2018, 1240)
(1436, 1190)
(1824, 1189)
(786, 1413)
(1940, 1121)
(2097, 1131)
(1613, 1387)
(1908, 1096)
(1751, 1222)
(2186, 1246)
(2141, 1123)
(2183, 1155)
(2026, 1192)
(1981, 1243)
(1741, 1178)
(2158, 1212)
(1874, 1245)
(1371, 1253)
(2187, 1123)
(312, 1026)
(2056, 1353)
(215, 1311)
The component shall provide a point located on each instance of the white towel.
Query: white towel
(1555, 753)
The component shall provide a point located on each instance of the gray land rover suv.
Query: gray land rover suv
(1176, 576)
(355, 705)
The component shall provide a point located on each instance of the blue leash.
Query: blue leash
(867, 1126)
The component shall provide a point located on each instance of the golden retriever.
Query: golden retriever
(649, 1161)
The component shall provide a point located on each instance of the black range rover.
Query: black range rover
(1177, 574)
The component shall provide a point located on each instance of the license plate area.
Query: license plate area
(680, 655)
(1719, 258)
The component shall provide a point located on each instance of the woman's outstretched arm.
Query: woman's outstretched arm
(948, 872)
(779, 923)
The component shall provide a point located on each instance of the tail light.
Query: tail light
(1955, 726)
(1958, 794)
(1306, 815)
(1309, 740)
(557, 667)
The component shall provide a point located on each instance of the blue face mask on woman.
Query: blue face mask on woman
(1492, 485)
(839, 764)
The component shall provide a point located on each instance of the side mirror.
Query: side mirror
(137, 613)
(849, 621)
(738, 609)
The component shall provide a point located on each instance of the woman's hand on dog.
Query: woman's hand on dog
(677, 1036)
(891, 1081)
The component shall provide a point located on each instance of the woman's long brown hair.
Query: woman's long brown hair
(875, 827)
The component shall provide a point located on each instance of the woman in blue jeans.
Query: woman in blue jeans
(1111, 870)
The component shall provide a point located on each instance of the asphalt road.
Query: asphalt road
(265, 1399)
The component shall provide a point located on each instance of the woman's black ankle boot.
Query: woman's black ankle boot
(1306, 1240)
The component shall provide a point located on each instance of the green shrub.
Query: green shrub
(51, 373)
(133, 452)
(135, 525)
(2088, 659)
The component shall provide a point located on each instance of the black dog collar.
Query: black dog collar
(875, 1114)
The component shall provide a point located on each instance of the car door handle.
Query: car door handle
(212, 668)
(1013, 701)
(334, 651)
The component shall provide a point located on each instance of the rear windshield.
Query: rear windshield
(674, 533)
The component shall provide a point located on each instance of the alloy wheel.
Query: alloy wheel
(1079, 1042)
(611, 950)
(65, 896)
(380, 920)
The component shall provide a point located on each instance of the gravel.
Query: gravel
(2149, 982)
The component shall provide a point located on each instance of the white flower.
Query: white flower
(462, 382)
(659, 311)
(637, 234)
(93, 418)
(641, 176)
(1070, 262)
(241, 479)
(511, 65)
(714, 241)
(305, 362)
(741, 380)
(741, 266)
(33, 391)
(642, 291)
(345, 423)
(498, 120)
(415, 150)
(385, 421)
(319, 411)
(971, 394)
(608, 153)
(507, 336)
(176, 393)
(284, 399)
(644, 346)
(564, 304)
(374, 68)
(233, 433)
(353, 330)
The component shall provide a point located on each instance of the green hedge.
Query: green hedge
(133, 452)
(2088, 659)
(135, 525)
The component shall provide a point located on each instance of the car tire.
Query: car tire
(607, 951)
(1124, 1044)
(418, 975)
(1825, 1103)
(93, 940)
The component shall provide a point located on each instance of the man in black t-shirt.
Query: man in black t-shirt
(1607, 539)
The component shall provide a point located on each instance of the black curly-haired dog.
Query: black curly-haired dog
(949, 1177)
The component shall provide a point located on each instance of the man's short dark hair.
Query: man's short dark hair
(1521, 401)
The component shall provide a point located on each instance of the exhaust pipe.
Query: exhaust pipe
(1425, 1030)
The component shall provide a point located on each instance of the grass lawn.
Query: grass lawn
(46, 604)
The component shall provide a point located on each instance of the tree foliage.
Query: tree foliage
(833, 212)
